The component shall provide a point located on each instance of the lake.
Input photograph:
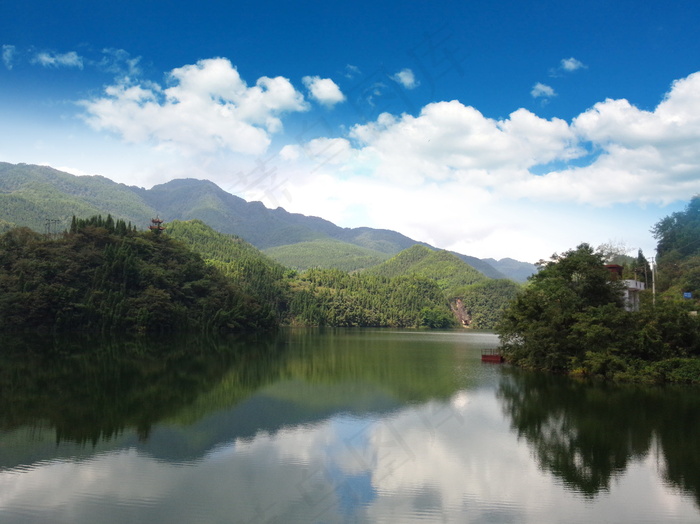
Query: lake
(331, 426)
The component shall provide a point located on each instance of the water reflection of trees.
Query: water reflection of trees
(91, 390)
(587, 434)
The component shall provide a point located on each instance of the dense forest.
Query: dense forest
(570, 318)
(335, 298)
(413, 289)
(103, 276)
(477, 301)
(242, 263)
(326, 253)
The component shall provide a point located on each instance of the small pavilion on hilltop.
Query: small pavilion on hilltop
(157, 225)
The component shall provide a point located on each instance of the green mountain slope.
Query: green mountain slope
(30, 195)
(248, 268)
(476, 300)
(326, 253)
(264, 228)
(188, 199)
(271, 228)
(445, 268)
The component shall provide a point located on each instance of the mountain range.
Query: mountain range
(45, 199)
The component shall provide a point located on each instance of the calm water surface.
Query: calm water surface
(332, 426)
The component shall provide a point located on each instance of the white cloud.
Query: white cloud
(406, 78)
(473, 178)
(566, 66)
(323, 90)
(207, 107)
(640, 156)
(644, 156)
(450, 141)
(540, 90)
(51, 59)
(571, 64)
(119, 62)
(8, 55)
(484, 187)
(320, 151)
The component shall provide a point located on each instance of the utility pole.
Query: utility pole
(51, 229)
(653, 282)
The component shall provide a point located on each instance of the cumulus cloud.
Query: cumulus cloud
(406, 78)
(8, 55)
(641, 156)
(482, 174)
(207, 107)
(323, 90)
(566, 66)
(571, 64)
(612, 155)
(449, 140)
(540, 90)
(51, 59)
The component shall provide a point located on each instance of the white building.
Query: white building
(632, 290)
(632, 287)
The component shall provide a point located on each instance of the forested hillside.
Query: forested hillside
(476, 300)
(242, 263)
(445, 268)
(678, 251)
(481, 304)
(105, 277)
(330, 297)
(30, 195)
(319, 297)
(326, 254)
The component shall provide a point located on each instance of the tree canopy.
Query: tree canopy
(106, 277)
(570, 319)
(538, 329)
(678, 250)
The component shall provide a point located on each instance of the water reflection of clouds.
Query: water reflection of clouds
(439, 461)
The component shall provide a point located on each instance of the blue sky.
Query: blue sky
(510, 129)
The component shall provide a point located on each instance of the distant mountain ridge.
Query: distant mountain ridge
(516, 270)
(33, 195)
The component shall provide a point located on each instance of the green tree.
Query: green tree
(678, 250)
(679, 232)
(538, 329)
